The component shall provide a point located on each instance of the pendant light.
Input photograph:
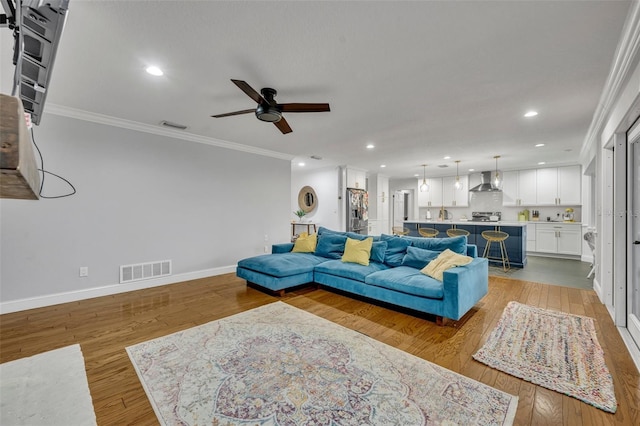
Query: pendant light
(424, 187)
(457, 185)
(497, 179)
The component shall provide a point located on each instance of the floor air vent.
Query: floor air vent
(144, 271)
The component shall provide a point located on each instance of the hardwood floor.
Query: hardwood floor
(105, 326)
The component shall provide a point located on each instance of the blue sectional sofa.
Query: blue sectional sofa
(393, 274)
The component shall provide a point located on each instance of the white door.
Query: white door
(633, 256)
(398, 208)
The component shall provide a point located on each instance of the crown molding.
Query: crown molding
(160, 131)
(624, 59)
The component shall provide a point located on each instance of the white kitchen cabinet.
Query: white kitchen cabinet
(531, 237)
(453, 197)
(560, 238)
(569, 186)
(559, 186)
(356, 178)
(432, 197)
(519, 188)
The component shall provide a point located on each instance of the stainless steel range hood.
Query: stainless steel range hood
(486, 185)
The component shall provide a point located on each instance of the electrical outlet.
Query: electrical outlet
(266, 249)
(266, 237)
(84, 271)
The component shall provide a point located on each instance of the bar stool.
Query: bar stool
(456, 232)
(399, 230)
(497, 237)
(428, 232)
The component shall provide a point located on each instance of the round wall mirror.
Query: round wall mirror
(307, 199)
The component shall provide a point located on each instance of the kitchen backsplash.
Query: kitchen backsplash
(492, 202)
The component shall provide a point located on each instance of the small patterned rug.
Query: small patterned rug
(279, 365)
(552, 349)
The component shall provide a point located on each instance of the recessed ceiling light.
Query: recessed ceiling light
(541, 163)
(153, 70)
(417, 175)
(370, 146)
(471, 170)
(301, 164)
(530, 114)
(446, 157)
(538, 145)
(383, 165)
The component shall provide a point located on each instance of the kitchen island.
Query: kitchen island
(516, 244)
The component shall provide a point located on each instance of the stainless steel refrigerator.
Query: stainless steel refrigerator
(357, 211)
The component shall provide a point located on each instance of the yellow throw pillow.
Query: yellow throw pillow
(445, 260)
(305, 243)
(356, 251)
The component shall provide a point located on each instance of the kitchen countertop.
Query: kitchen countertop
(498, 223)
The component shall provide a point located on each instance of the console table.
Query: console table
(294, 226)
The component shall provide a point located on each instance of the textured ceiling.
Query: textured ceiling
(420, 80)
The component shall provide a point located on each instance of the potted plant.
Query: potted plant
(300, 213)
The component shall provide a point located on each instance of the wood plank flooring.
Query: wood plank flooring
(105, 326)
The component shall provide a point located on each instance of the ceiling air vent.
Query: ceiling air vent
(173, 125)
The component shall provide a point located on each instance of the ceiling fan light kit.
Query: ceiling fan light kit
(269, 110)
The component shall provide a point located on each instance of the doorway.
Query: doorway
(633, 238)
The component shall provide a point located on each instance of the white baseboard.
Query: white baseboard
(598, 289)
(73, 296)
(631, 346)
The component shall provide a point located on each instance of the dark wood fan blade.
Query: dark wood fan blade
(283, 126)
(244, 111)
(298, 107)
(244, 86)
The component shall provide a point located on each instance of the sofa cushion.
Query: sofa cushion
(305, 243)
(357, 251)
(396, 249)
(331, 245)
(407, 280)
(282, 264)
(378, 249)
(455, 244)
(445, 260)
(352, 271)
(418, 258)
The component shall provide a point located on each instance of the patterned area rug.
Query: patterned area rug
(552, 349)
(279, 365)
(50, 388)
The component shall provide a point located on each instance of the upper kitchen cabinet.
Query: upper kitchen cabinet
(433, 196)
(453, 197)
(356, 178)
(519, 188)
(559, 186)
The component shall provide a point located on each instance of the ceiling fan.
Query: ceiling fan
(269, 110)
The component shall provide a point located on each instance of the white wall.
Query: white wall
(325, 182)
(141, 198)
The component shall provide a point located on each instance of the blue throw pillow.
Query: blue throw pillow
(331, 245)
(418, 258)
(378, 249)
(455, 244)
(325, 231)
(396, 249)
(359, 237)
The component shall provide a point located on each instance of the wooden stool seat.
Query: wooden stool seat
(399, 230)
(456, 232)
(497, 237)
(428, 232)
